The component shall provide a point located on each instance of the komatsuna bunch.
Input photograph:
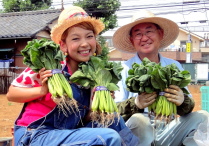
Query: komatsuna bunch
(152, 77)
(46, 54)
(102, 76)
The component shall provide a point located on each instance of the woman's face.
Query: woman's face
(80, 44)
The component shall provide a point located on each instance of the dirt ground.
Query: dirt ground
(10, 110)
(8, 113)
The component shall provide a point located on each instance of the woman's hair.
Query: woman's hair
(87, 26)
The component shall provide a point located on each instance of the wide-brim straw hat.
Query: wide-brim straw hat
(72, 16)
(121, 38)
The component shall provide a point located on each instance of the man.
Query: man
(145, 36)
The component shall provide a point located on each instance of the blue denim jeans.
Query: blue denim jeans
(57, 129)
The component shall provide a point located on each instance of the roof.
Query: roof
(26, 24)
(193, 34)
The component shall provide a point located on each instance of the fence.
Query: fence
(7, 75)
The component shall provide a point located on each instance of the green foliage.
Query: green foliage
(102, 76)
(105, 49)
(42, 53)
(152, 77)
(98, 72)
(102, 9)
(25, 5)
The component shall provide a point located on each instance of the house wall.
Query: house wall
(43, 34)
(184, 37)
(181, 56)
(20, 44)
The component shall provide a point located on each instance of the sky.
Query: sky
(191, 11)
(175, 10)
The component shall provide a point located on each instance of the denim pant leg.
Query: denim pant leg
(75, 137)
(128, 138)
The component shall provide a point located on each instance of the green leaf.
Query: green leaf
(112, 87)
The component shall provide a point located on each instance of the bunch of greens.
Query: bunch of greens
(44, 53)
(102, 76)
(152, 77)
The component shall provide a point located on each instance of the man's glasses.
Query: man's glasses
(148, 33)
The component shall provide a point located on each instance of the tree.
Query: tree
(102, 9)
(25, 5)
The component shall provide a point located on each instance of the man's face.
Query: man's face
(146, 38)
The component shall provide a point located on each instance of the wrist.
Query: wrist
(137, 103)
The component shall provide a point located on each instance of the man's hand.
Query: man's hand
(174, 94)
(143, 100)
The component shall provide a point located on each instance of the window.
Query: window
(183, 46)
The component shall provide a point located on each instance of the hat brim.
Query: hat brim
(59, 29)
(121, 38)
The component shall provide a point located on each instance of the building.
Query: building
(17, 28)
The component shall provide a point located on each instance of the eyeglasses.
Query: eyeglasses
(148, 33)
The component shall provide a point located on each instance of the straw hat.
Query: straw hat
(121, 38)
(71, 16)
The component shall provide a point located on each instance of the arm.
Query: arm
(26, 94)
(128, 107)
(20, 94)
(186, 107)
(135, 104)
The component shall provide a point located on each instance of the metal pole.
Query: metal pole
(62, 8)
(188, 49)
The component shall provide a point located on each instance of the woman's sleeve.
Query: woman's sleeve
(27, 78)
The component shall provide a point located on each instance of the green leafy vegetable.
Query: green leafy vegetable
(44, 53)
(102, 76)
(150, 76)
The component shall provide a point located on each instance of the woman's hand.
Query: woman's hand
(44, 74)
(143, 100)
(174, 94)
(112, 93)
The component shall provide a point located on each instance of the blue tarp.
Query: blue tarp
(7, 60)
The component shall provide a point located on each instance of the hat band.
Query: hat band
(78, 14)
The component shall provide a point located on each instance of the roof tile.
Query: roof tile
(26, 24)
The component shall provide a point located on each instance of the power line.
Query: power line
(161, 9)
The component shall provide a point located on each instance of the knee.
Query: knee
(138, 120)
(200, 115)
(109, 136)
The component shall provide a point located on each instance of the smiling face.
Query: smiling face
(146, 38)
(79, 43)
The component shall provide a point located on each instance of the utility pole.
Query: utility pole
(188, 49)
(62, 8)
